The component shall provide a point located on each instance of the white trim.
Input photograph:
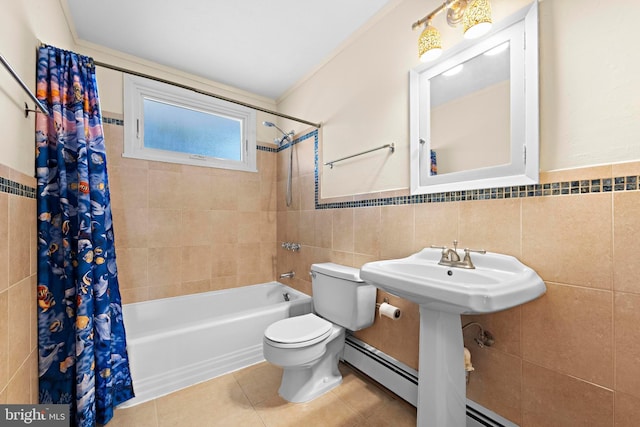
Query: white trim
(136, 89)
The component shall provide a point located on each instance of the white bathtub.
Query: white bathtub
(177, 342)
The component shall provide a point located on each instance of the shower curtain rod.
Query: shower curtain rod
(244, 104)
(25, 88)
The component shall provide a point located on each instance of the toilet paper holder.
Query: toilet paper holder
(384, 300)
(387, 310)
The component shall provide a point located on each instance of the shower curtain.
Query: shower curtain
(81, 338)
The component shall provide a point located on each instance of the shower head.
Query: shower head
(285, 135)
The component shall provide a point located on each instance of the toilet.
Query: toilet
(308, 347)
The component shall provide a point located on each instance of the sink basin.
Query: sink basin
(497, 283)
(444, 293)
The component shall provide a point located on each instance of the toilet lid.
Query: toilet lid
(298, 329)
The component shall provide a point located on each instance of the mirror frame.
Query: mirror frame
(521, 30)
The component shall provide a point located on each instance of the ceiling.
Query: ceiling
(263, 47)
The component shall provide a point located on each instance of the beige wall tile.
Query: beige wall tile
(129, 188)
(133, 269)
(291, 226)
(324, 228)
(268, 232)
(114, 141)
(132, 227)
(625, 169)
(307, 228)
(195, 287)
(506, 325)
(19, 387)
(224, 260)
(249, 196)
(222, 193)
(224, 227)
(163, 229)
(568, 239)
(129, 296)
(627, 410)
(366, 230)
(4, 339)
(343, 230)
(157, 292)
(552, 399)
(626, 229)
(398, 338)
(4, 241)
(307, 192)
(20, 224)
(196, 263)
(493, 225)
(165, 188)
(627, 343)
(196, 227)
(248, 227)
(553, 332)
(197, 190)
(164, 266)
(396, 231)
(435, 224)
(19, 334)
(496, 382)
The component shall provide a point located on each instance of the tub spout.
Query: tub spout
(288, 275)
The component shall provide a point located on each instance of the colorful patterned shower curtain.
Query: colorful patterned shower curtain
(81, 338)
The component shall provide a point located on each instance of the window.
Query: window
(170, 124)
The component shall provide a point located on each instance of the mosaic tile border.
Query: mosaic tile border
(112, 121)
(13, 187)
(602, 185)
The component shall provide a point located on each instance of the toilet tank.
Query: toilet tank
(341, 297)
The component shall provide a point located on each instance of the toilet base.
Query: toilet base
(305, 383)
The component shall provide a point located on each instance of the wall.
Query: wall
(22, 24)
(570, 357)
(587, 91)
(184, 229)
(18, 325)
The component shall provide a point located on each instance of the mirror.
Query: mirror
(474, 113)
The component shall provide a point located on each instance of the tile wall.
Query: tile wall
(18, 330)
(185, 229)
(570, 358)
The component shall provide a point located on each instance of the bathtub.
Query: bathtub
(177, 342)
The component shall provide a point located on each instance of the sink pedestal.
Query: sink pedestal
(442, 397)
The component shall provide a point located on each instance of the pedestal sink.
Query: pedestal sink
(497, 282)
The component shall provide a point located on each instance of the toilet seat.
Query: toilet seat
(299, 331)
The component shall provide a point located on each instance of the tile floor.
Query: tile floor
(249, 397)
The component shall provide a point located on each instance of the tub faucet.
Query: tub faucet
(288, 275)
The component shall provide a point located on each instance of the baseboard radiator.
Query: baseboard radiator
(403, 380)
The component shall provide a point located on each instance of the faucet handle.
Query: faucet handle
(477, 251)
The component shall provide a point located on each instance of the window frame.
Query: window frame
(137, 88)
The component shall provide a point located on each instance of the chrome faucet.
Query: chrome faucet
(451, 258)
(288, 275)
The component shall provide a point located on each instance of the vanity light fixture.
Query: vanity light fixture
(429, 43)
(475, 16)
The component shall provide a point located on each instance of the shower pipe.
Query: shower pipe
(202, 92)
(285, 136)
(25, 88)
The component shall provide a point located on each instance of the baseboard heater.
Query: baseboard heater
(403, 380)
